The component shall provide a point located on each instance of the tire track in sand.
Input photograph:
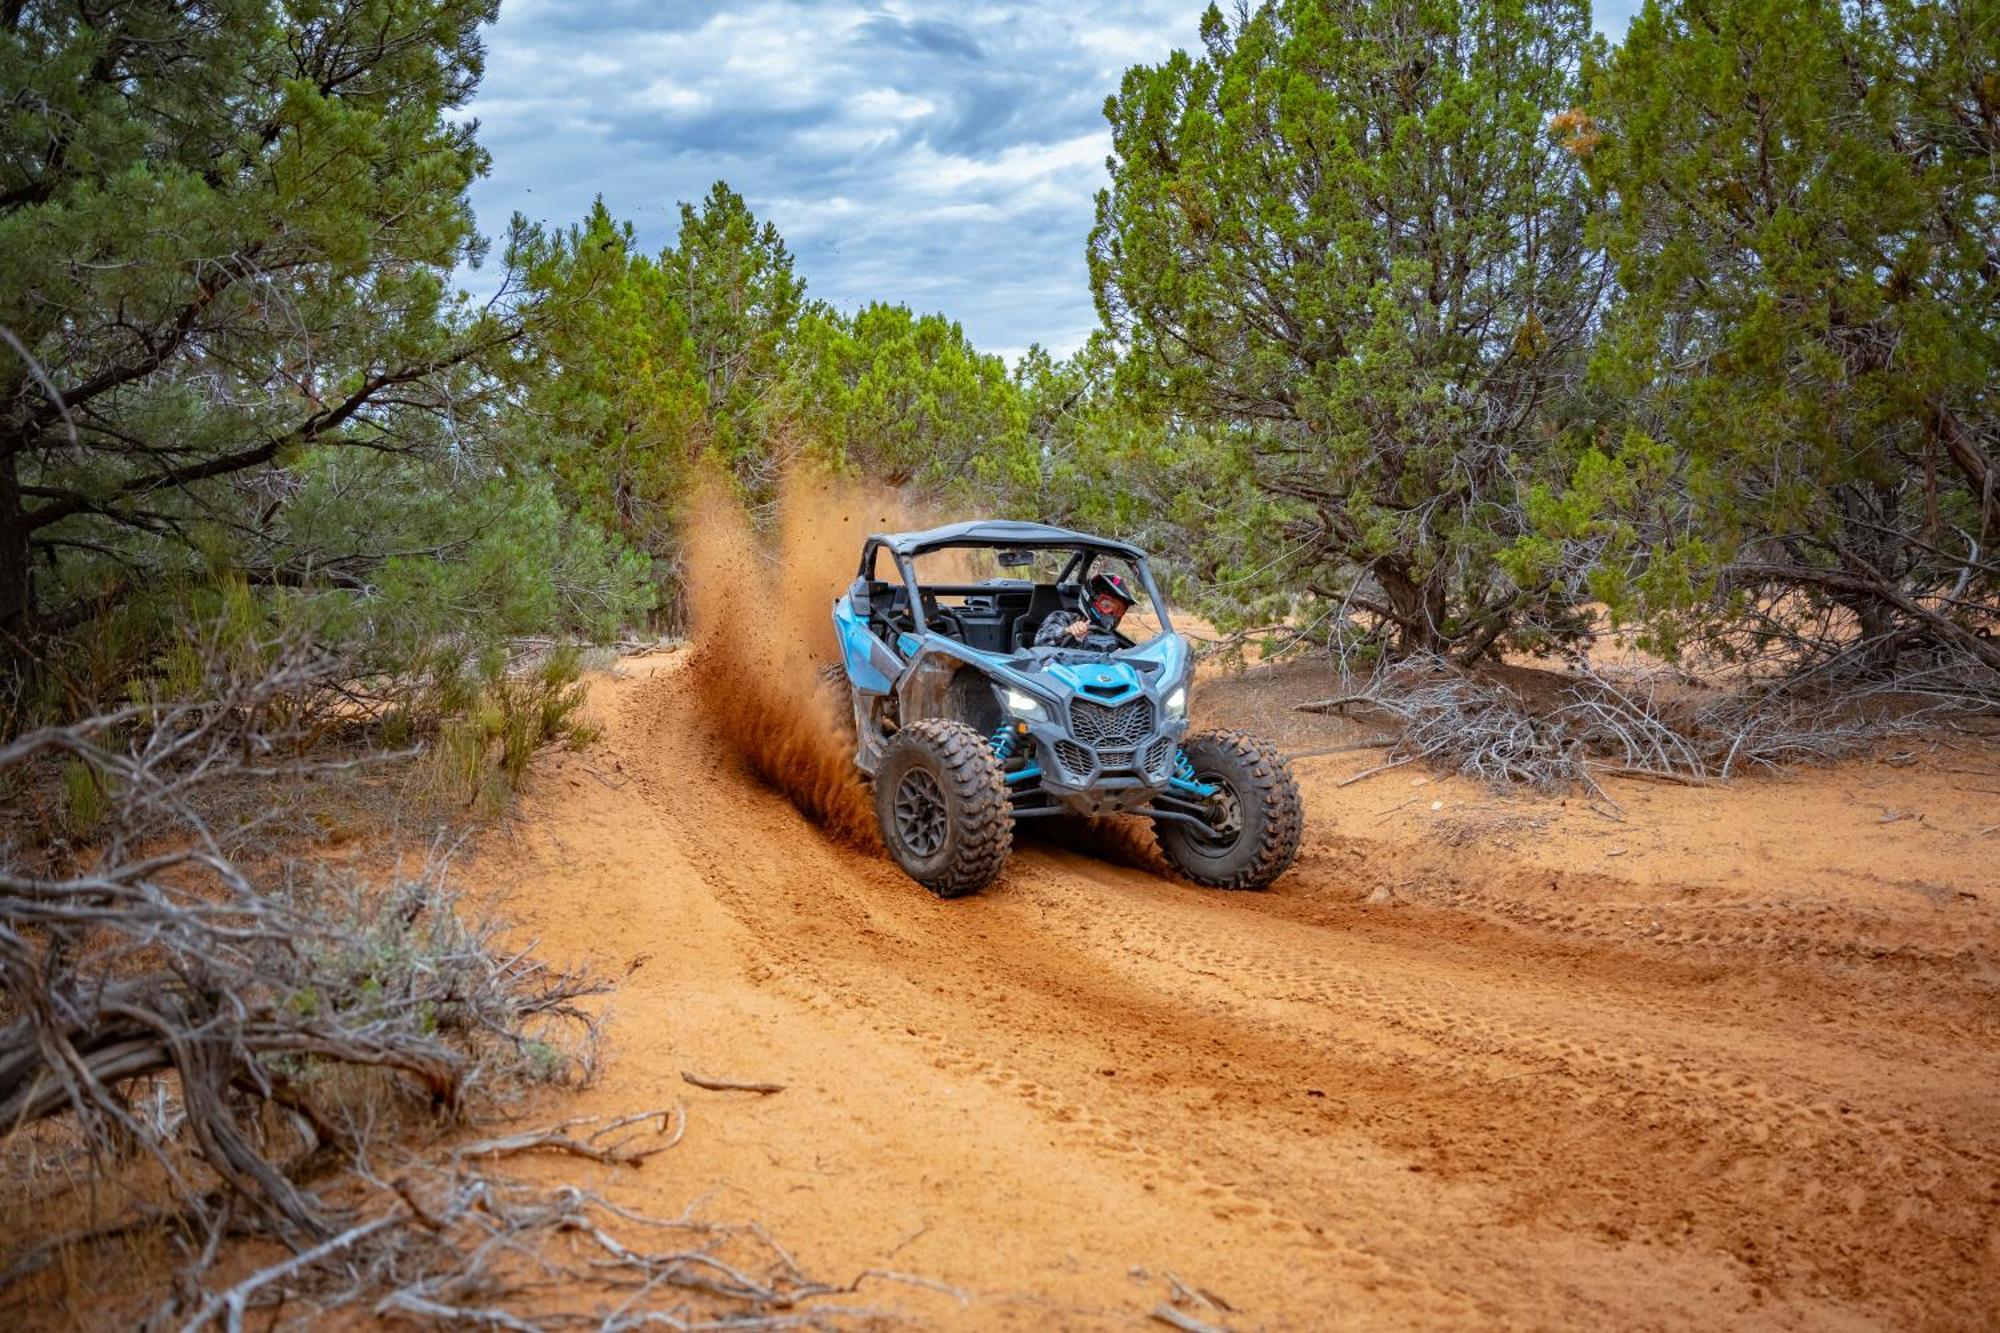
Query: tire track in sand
(1591, 1131)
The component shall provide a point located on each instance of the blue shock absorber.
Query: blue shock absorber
(1183, 778)
(1003, 749)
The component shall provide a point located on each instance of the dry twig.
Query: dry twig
(729, 1084)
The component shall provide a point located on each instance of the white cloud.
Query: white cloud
(940, 154)
(669, 96)
(943, 154)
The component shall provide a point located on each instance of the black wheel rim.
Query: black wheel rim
(1225, 814)
(920, 812)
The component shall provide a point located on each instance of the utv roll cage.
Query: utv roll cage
(1007, 622)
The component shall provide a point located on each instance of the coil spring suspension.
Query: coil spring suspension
(1184, 777)
(1003, 743)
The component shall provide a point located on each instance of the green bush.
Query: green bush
(492, 723)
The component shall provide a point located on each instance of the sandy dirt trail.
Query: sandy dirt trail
(1410, 1085)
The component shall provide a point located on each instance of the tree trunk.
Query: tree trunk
(1971, 460)
(17, 594)
(1410, 606)
(1877, 620)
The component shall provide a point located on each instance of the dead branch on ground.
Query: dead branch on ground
(452, 1246)
(729, 1084)
(1646, 725)
(157, 964)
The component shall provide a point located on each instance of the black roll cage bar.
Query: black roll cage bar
(1073, 570)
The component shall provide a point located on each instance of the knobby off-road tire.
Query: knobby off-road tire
(831, 682)
(1258, 794)
(942, 806)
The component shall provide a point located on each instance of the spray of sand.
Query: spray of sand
(763, 626)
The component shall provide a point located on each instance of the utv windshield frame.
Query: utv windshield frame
(904, 548)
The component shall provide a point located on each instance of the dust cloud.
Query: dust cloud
(763, 627)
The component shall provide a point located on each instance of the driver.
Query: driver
(1095, 628)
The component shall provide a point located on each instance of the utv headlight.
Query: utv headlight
(1021, 704)
(1177, 702)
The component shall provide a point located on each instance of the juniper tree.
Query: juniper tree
(731, 279)
(1344, 230)
(1803, 215)
(904, 398)
(228, 231)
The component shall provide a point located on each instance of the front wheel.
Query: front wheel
(1256, 817)
(942, 804)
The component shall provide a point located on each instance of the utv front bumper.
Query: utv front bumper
(1101, 759)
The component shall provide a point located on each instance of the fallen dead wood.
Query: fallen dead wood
(1372, 743)
(1167, 1314)
(1187, 1291)
(231, 1304)
(556, 1139)
(1378, 769)
(1646, 726)
(242, 1023)
(1656, 775)
(729, 1084)
(458, 1247)
(1334, 705)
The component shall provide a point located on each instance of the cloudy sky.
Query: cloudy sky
(919, 151)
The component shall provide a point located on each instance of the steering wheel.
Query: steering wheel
(945, 622)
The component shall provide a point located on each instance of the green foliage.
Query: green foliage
(84, 798)
(904, 399)
(732, 279)
(611, 398)
(1353, 266)
(459, 561)
(639, 370)
(1808, 327)
(1344, 234)
(229, 234)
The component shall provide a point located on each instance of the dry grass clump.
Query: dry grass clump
(492, 721)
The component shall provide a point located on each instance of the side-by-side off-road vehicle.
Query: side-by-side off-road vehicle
(965, 725)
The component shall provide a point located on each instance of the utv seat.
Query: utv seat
(1047, 599)
(885, 600)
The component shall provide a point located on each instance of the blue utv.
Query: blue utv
(964, 725)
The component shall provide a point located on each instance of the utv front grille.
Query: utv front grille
(1159, 756)
(1095, 724)
(1115, 758)
(1074, 760)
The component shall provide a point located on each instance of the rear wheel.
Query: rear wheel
(1255, 816)
(831, 681)
(942, 805)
